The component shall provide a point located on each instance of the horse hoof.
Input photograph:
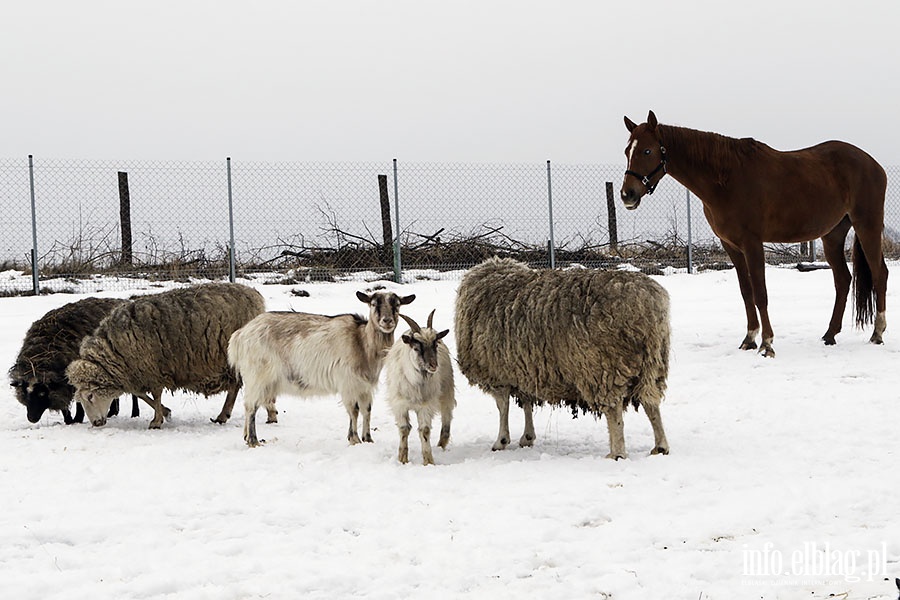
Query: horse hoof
(829, 341)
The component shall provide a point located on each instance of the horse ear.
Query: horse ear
(629, 124)
(651, 120)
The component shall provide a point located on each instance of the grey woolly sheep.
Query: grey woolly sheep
(174, 340)
(51, 343)
(419, 377)
(315, 355)
(593, 340)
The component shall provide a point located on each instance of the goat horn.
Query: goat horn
(412, 324)
(431, 317)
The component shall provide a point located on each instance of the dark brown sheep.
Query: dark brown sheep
(51, 343)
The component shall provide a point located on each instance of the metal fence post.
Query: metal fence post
(231, 260)
(35, 279)
(690, 244)
(550, 204)
(397, 265)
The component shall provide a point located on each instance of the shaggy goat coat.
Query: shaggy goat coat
(174, 340)
(593, 340)
(51, 343)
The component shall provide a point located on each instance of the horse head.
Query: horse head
(646, 161)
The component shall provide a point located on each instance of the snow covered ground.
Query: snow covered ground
(782, 482)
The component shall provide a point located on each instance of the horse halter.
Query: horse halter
(646, 179)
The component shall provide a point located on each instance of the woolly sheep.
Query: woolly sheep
(592, 340)
(419, 377)
(315, 355)
(51, 343)
(174, 340)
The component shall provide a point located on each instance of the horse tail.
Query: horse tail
(863, 290)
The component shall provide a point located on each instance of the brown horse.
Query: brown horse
(753, 194)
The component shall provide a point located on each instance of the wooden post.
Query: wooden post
(386, 233)
(611, 213)
(125, 217)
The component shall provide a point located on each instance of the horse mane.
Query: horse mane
(709, 151)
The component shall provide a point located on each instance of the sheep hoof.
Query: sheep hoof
(526, 441)
(659, 450)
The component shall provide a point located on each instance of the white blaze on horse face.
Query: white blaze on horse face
(630, 153)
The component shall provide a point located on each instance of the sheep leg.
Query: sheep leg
(113, 408)
(501, 397)
(160, 412)
(353, 411)
(425, 438)
(527, 439)
(615, 424)
(135, 407)
(228, 405)
(404, 427)
(79, 415)
(660, 443)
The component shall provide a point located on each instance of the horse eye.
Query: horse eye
(647, 151)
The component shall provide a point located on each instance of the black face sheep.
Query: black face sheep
(316, 355)
(51, 343)
(595, 341)
(174, 340)
(419, 378)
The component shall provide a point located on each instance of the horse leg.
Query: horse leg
(870, 240)
(833, 245)
(756, 264)
(743, 275)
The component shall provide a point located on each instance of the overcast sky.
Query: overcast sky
(448, 81)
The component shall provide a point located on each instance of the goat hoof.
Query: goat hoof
(155, 425)
(353, 439)
(526, 441)
(659, 450)
(368, 439)
(500, 444)
(616, 456)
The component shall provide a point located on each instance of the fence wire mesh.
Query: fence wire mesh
(308, 221)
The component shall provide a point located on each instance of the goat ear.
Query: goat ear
(363, 297)
(407, 339)
(442, 334)
(629, 124)
(407, 299)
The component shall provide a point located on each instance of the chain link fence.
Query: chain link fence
(115, 224)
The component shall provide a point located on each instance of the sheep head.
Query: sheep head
(93, 389)
(384, 307)
(40, 393)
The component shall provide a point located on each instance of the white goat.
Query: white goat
(420, 378)
(315, 355)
